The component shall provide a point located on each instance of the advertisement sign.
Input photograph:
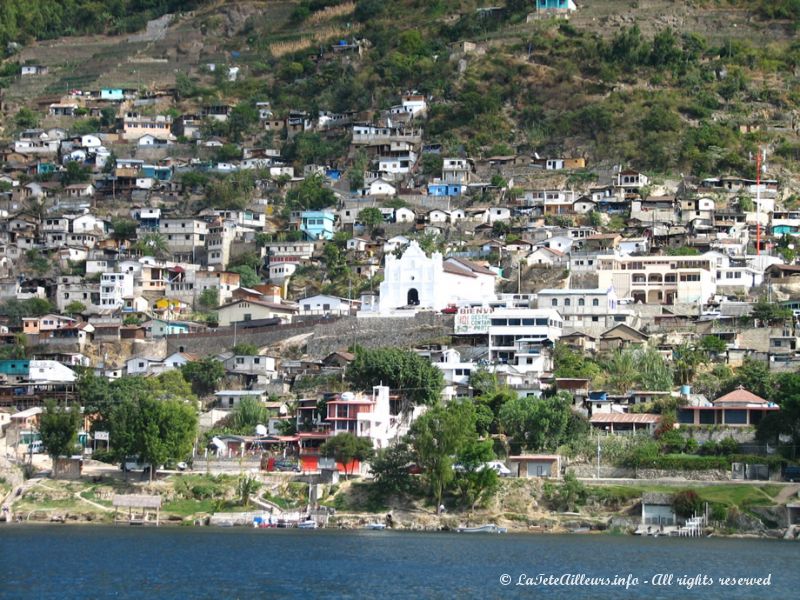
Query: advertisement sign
(470, 321)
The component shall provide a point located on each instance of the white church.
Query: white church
(416, 281)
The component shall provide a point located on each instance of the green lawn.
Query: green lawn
(735, 494)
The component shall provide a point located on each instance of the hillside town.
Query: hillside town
(144, 234)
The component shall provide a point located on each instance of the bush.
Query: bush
(718, 512)
(728, 446)
(686, 503)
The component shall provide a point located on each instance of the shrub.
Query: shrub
(686, 503)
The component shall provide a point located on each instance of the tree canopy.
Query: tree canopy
(346, 448)
(541, 423)
(156, 431)
(59, 429)
(404, 371)
(204, 375)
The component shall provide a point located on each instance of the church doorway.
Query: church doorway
(413, 297)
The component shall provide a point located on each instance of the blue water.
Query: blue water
(68, 562)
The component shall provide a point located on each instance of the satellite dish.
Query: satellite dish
(261, 430)
(348, 396)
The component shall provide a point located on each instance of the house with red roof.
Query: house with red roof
(739, 408)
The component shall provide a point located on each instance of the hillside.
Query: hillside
(671, 87)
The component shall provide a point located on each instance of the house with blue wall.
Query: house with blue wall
(444, 189)
(112, 94)
(15, 367)
(555, 6)
(157, 172)
(317, 224)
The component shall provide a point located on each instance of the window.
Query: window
(248, 317)
(566, 301)
(595, 302)
(554, 302)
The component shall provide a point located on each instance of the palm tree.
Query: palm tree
(622, 372)
(152, 244)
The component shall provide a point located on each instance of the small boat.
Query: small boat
(489, 528)
(307, 524)
(375, 526)
(580, 530)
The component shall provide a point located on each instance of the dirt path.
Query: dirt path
(787, 493)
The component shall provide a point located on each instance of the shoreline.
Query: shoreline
(516, 531)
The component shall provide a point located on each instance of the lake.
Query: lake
(90, 562)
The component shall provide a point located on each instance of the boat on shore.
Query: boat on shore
(375, 526)
(307, 524)
(488, 528)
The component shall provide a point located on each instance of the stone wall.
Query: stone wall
(326, 335)
(214, 342)
(589, 472)
(425, 327)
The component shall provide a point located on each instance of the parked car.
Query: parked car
(498, 467)
(450, 309)
(792, 474)
(287, 465)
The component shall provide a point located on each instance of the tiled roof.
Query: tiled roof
(740, 396)
(637, 418)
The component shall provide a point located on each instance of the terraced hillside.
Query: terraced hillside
(666, 86)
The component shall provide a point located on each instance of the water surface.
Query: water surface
(68, 562)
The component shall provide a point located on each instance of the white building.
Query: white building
(50, 371)
(583, 308)
(370, 417)
(659, 279)
(114, 288)
(417, 281)
(517, 336)
(323, 304)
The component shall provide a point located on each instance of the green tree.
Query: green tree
(75, 173)
(59, 429)
(247, 276)
(26, 118)
(246, 487)
(439, 435)
(686, 359)
(124, 229)
(249, 413)
(568, 496)
(371, 217)
(572, 364)
(754, 376)
(713, 344)
(390, 470)
(541, 423)
(242, 118)
(621, 373)
(152, 244)
(245, 349)
(311, 194)
(654, 374)
(32, 307)
(75, 308)
(204, 375)
(474, 481)
(346, 448)
(404, 371)
(209, 298)
(157, 431)
(686, 503)
(770, 313)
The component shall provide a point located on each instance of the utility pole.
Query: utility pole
(758, 202)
